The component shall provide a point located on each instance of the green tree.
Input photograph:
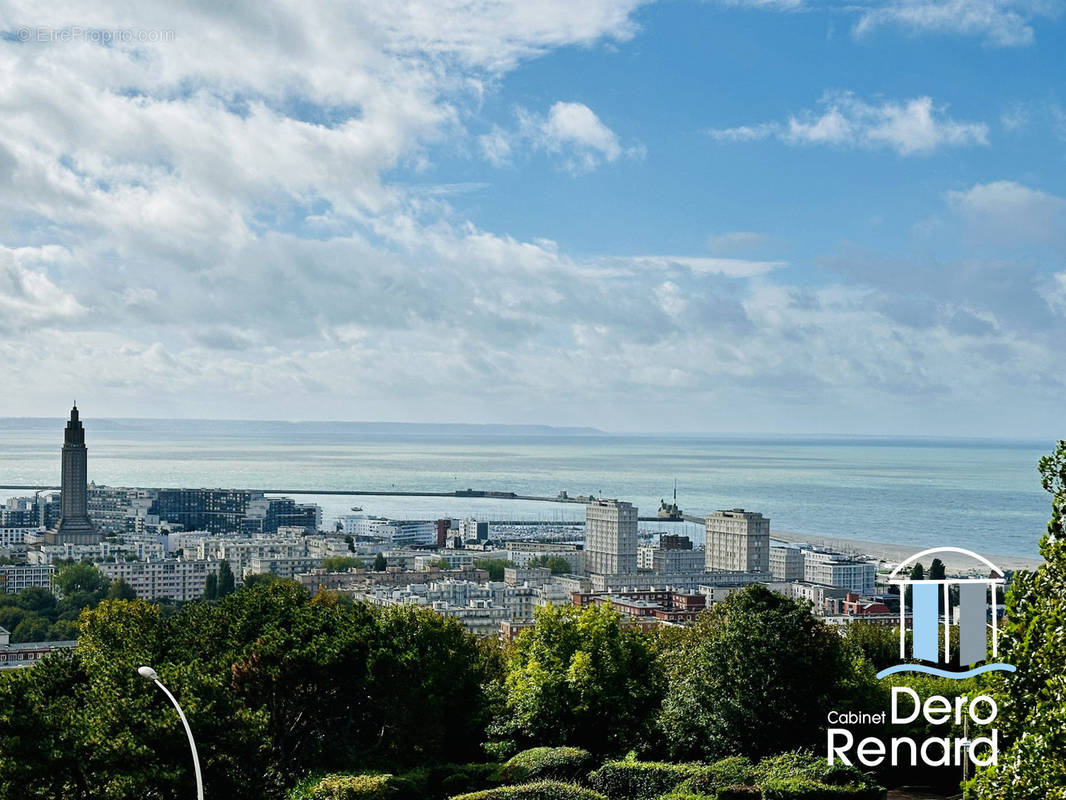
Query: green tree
(494, 566)
(32, 628)
(937, 571)
(1032, 715)
(557, 564)
(917, 574)
(741, 681)
(878, 643)
(11, 616)
(579, 678)
(380, 564)
(120, 590)
(275, 683)
(62, 631)
(81, 578)
(341, 563)
(262, 578)
(226, 581)
(37, 599)
(211, 587)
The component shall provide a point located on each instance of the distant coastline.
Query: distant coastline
(283, 427)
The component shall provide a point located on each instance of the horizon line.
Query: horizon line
(572, 428)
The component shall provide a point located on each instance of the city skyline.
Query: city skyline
(597, 218)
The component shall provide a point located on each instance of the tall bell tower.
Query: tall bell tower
(74, 526)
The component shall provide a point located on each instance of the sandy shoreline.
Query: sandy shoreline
(895, 553)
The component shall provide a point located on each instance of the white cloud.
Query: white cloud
(495, 146)
(909, 127)
(28, 296)
(1012, 213)
(569, 131)
(1003, 23)
(730, 267)
(208, 227)
(1056, 292)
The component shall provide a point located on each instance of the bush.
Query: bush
(723, 793)
(805, 765)
(543, 790)
(547, 763)
(444, 780)
(739, 793)
(344, 787)
(806, 789)
(733, 771)
(640, 780)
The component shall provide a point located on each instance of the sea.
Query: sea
(984, 495)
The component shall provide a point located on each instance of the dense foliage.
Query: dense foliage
(740, 681)
(1032, 700)
(38, 615)
(547, 763)
(275, 684)
(640, 780)
(494, 566)
(579, 678)
(543, 790)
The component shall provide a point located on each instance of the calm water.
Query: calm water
(978, 494)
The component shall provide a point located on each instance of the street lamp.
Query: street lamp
(149, 674)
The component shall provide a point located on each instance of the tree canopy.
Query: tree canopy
(579, 678)
(740, 682)
(1032, 715)
(274, 682)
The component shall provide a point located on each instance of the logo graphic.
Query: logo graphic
(973, 619)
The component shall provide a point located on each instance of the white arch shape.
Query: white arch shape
(932, 550)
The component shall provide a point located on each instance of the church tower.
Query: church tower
(74, 526)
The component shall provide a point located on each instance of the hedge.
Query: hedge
(802, 775)
(344, 787)
(542, 790)
(733, 771)
(444, 780)
(739, 793)
(803, 764)
(806, 789)
(723, 793)
(640, 780)
(568, 764)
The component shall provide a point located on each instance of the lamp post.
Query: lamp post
(149, 674)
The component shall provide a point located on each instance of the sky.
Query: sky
(738, 216)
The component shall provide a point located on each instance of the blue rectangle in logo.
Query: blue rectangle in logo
(926, 616)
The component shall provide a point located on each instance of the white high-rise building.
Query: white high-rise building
(837, 569)
(738, 541)
(786, 562)
(610, 537)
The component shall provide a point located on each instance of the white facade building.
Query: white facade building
(522, 553)
(15, 578)
(738, 541)
(391, 532)
(786, 562)
(838, 569)
(610, 537)
(663, 559)
(171, 579)
(479, 607)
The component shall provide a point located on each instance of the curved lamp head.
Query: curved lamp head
(147, 673)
